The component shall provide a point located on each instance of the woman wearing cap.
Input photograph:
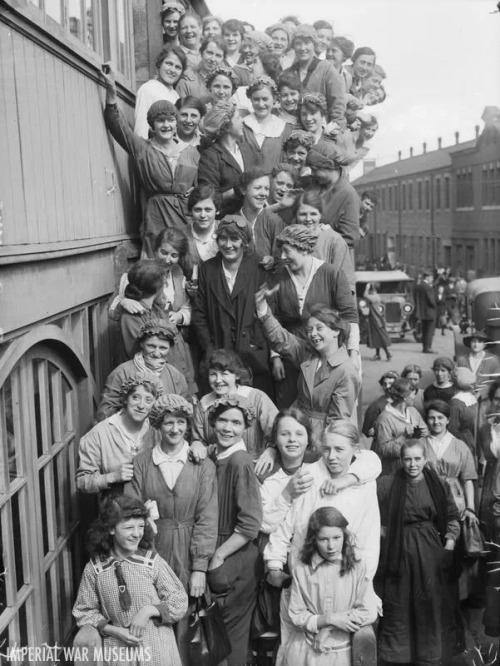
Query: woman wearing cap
(250, 65)
(194, 81)
(171, 64)
(318, 76)
(464, 408)
(397, 423)
(222, 84)
(234, 570)
(485, 366)
(185, 496)
(222, 164)
(304, 280)
(167, 168)
(443, 387)
(420, 523)
(280, 34)
(223, 315)
(159, 291)
(328, 383)
(313, 116)
(263, 132)
(107, 451)
(155, 339)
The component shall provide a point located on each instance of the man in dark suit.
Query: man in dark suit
(425, 310)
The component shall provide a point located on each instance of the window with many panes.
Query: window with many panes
(410, 196)
(40, 553)
(437, 195)
(101, 26)
(403, 196)
(427, 195)
(447, 196)
(419, 195)
(465, 192)
(490, 184)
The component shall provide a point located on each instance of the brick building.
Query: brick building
(441, 207)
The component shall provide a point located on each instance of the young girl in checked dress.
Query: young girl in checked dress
(331, 596)
(128, 592)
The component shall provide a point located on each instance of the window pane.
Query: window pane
(43, 511)
(18, 544)
(89, 24)
(75, 22)
(122, 51)
(106, 41)
(10, 425)
(53, 9)
(3, 573)
(67, 406)
(50, 609)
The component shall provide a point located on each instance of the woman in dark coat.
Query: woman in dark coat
(421, 527)
(223, 311)
(377, 334)
(222, 164)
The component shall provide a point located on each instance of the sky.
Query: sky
(442, 59)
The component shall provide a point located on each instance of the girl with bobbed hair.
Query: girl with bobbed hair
(295, 149)
(166, 167)
(289, 91)
(171, 13)
(337, 615)
(106, 452)
(226, 374)
(285, 186)
(413, 373)
(397, 423)
(190, 112)
(212, 27)
(171, 64)
(194, 81)
(184, 494)
(263, 132)
(203, 204)
(127, 591)
(334, 395)
(234, 571)
(313, 115)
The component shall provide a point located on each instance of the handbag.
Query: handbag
(473, 541)
(266, 615)
(206, 635)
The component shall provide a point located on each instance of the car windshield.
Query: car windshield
(384, 288)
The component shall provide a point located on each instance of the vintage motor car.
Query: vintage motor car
(396, 300)
(483, 314)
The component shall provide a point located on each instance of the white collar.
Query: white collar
(239, 446)
(159, 455)
(272, 128)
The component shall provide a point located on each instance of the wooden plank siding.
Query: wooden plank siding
(60, 171)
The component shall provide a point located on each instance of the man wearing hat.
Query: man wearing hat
(485, 366)
(425, 310)
(341, 204)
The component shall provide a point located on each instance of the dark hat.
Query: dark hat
(480, 335)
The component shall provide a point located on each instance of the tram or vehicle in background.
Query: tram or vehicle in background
(483, 313)
(68, 224)
(396, 300)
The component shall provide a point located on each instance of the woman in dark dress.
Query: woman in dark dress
(378, 337)
(235, 569)
(223, 310)
(443, 388)
(420, 521)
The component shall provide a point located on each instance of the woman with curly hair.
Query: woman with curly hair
(331, 597)
(263, 132)
(184, 494)
(234, 570)
(295, 149)
(222, 163)
(127, 591)
(222, 84)
(107, 451)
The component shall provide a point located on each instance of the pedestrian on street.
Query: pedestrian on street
(425, 306)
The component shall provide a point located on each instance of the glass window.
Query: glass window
(76, 21)
(53, 8)
(410, 196)
(438, 193)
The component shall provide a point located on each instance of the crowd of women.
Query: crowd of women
(226, 457)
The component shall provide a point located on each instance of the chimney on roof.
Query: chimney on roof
(457, 137)
(411, 152)
(424, 146)
(399, 155)
(368, 165)
(477, 128)
(440, 142)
